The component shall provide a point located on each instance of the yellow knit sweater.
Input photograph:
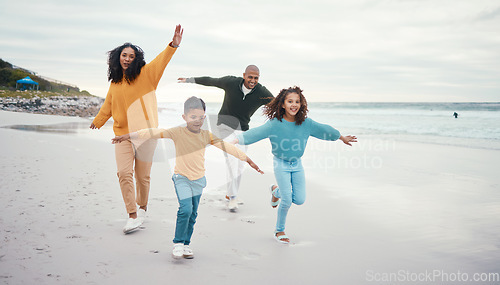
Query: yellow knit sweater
(133, 106)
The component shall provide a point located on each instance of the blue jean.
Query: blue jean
(188, 194)
(291, 187)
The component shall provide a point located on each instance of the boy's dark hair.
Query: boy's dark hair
(115, 70)
(274, 109)
(194, 103)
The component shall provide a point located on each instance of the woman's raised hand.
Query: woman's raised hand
(176, 41)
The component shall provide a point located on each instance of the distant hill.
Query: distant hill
(9, 74)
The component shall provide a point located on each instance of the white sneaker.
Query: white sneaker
(232, 205)
(238, 200)
(141, 214)
(132, 225)
(178, 250)
(188, 252)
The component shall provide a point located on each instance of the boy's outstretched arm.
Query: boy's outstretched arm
(254, 166)
(152, 133)
(348, 139)
(119, 139)
(234, 151)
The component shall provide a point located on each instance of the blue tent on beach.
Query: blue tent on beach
(27, 83)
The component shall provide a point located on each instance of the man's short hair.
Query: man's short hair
(194, 103)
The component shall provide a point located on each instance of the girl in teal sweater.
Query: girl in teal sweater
(288, 129)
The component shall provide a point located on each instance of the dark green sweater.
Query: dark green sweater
(237, 108)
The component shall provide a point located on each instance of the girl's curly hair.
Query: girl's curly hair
(115, 70)
(274, 109)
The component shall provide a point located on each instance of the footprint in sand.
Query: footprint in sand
(247, 255)
(302, 243)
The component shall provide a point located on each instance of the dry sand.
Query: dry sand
(384, 208)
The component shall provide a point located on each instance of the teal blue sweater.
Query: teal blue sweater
(288, 140)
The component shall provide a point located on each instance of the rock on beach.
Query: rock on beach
(78, 106)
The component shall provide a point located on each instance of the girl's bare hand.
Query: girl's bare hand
(349, 139)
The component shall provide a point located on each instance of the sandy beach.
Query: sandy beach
(386, 211)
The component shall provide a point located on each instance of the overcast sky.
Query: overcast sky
(372, 50)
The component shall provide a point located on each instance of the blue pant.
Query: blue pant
(188, 194)
(291, 187)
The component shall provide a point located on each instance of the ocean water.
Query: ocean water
(477, 125)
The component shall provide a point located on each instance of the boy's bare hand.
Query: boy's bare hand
(254, 166)
(119, 139)
(348, 139)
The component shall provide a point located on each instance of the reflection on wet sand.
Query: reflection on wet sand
(63, 128)
(80, 129)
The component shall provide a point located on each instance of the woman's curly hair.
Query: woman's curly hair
(274, 109)
(115, 70)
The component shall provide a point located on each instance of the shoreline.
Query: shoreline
(427, 207)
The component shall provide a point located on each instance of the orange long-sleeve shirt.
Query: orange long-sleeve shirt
(133, 106)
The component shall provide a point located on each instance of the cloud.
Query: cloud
(488, 14)
(365, 49)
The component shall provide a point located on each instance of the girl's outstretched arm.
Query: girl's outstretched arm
(255, 134)
(323, 131)
(327, 132)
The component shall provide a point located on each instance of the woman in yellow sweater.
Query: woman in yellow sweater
(131, 101)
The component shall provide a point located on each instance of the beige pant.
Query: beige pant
(126, 154)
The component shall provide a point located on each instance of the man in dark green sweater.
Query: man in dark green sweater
(243, 96)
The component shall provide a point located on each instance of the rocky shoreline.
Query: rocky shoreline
(77, 106)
